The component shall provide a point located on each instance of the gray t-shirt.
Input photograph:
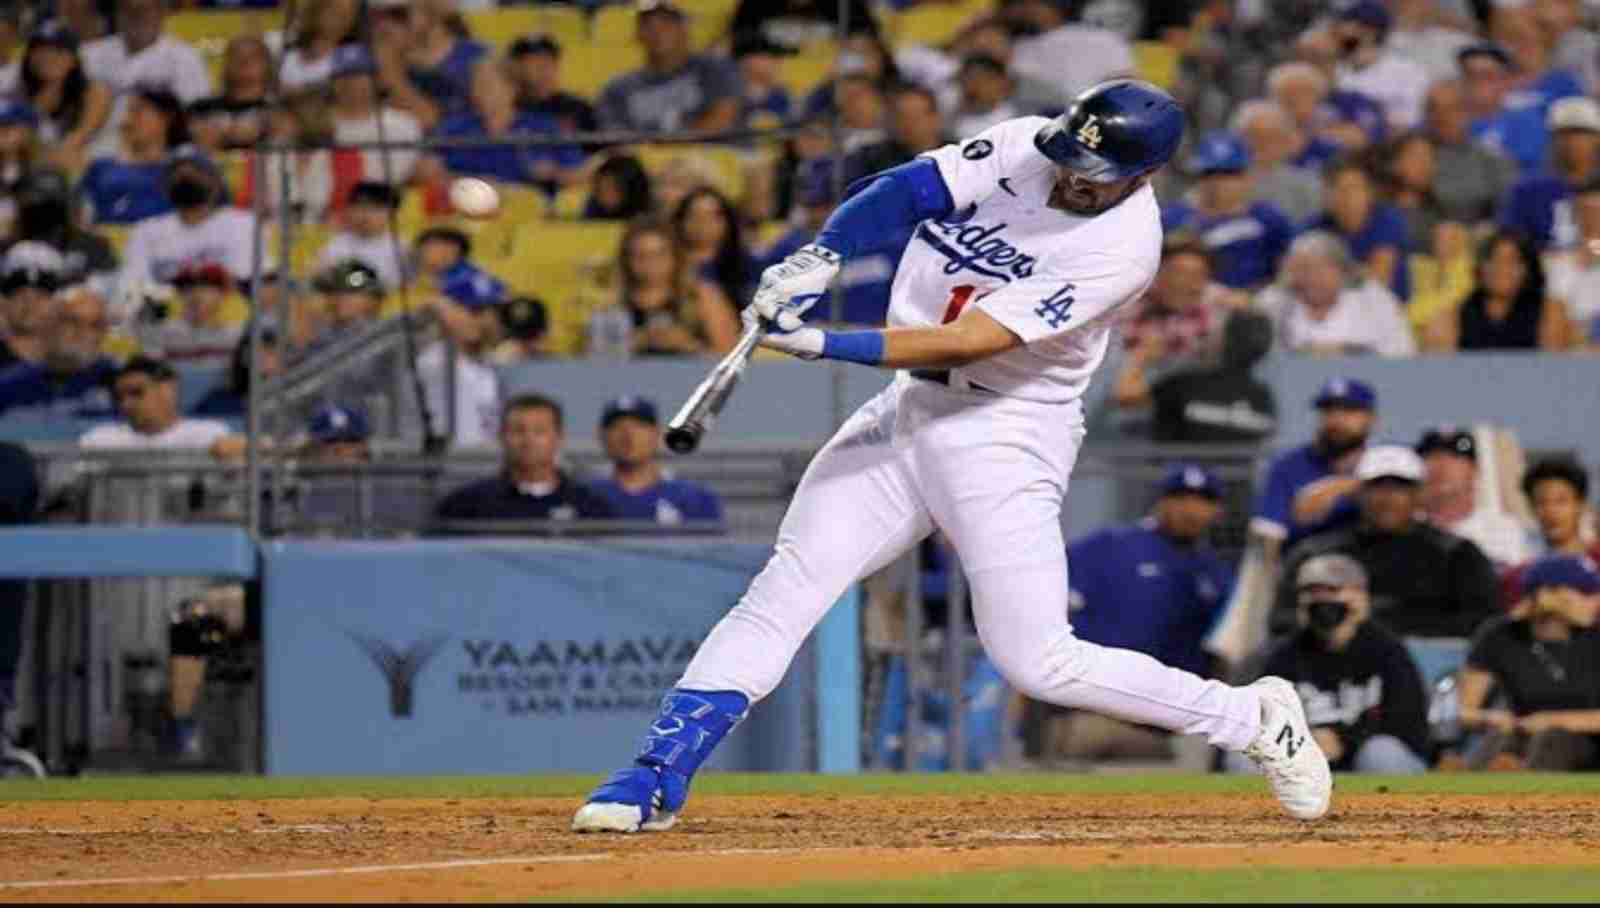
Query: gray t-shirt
(648, 100)
(1469, 181)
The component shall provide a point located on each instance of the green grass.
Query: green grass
(221, 787)
(1149, 884)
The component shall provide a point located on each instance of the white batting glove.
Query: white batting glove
(803, 342)
(794, 285)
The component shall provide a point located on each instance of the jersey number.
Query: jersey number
(959, 297)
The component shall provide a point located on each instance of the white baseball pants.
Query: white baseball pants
(991, 473)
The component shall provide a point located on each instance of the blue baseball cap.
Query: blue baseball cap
(17, 113)
(471, 287)
(352, 59)
(1190, 479)
(1219, 151)
(195, 156)
(336, 423)
(1571, 571)
(1346, 392)
(628, 405)
(1370, 13)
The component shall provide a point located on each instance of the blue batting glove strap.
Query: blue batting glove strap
(865, 347)
(690, 726)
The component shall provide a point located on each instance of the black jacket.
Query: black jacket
(498, 498)
(1424, 582)
(1371, 687)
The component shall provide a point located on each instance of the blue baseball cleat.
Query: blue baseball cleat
(649, 794)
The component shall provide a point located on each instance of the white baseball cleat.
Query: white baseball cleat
(1290, 757)
(619, 818)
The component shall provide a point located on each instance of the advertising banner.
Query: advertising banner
(501, 656)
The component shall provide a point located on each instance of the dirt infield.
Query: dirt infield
(476, 849)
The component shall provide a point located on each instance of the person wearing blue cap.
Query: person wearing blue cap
(1288, 508)
(638, 488)
(1154, 586)
(1369, 67)
(1246, 238)
(467, 306)
(358, 116)
(1544, 658)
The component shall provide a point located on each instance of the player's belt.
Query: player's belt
(943, 377)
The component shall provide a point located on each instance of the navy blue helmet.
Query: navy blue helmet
(1114, 130)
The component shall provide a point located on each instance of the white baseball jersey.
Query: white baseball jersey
(1049, 276)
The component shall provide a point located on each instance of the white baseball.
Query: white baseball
(473, 197)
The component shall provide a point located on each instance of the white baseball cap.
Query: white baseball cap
(1389, 462)
(1577, 112)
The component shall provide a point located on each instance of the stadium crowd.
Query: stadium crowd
(1401, 178)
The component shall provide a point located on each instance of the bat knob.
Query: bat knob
(682, 439)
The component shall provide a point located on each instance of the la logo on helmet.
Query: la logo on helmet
(1089, 132)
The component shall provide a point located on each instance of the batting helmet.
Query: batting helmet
(1114, 130)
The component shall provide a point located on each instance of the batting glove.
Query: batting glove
(791, 287)
(803, 342)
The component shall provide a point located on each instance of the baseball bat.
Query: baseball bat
(695, 417)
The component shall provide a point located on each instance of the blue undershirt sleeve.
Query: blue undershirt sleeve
(884, 206)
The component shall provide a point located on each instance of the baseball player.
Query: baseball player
(1028, 237)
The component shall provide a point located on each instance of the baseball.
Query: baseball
(474, 198)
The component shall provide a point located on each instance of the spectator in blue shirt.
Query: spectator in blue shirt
(1518, 133)
(766, 101)
(638, 488)
(1153, 587)
(1539, 206)
(1347, 407)
(1247, 239)
(495, 115)
(131, 186)
(430, 67)
(73, 379)
(1375, 231)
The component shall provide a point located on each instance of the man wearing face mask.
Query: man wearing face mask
(202, 228)
(1364, 698)
(1424, 582)
(1396, 83)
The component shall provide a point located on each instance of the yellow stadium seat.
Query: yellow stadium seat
(585, 69)
(1156, 62)
(613, 25)
(569, 202)
(204, 28)
(806, 70)
(568, 265)
(934, 22)
(306, 247)
(502, 26)
(115, 234)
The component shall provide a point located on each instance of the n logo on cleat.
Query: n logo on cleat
(1289, 742)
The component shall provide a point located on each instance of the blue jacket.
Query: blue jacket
(1134, 588)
